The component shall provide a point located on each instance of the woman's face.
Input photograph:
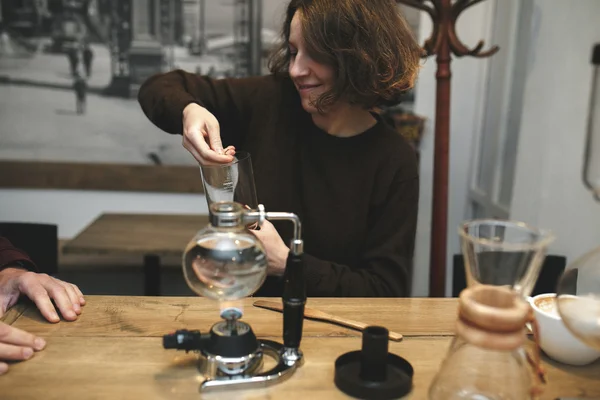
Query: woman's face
(311, 78)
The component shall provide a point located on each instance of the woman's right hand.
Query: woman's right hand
(202, 136)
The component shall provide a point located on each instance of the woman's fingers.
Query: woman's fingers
(202, 136)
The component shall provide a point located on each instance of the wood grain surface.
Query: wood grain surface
(114, 350)
(145, 316)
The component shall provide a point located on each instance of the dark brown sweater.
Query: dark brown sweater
(357, 197)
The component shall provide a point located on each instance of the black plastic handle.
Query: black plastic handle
(374, 354)
(294, 300)
(183, 340)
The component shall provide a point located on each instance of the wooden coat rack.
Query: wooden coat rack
(442, 42)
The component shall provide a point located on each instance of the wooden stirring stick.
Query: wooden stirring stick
(311, 313)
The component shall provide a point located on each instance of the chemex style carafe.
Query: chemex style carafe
(487, 359)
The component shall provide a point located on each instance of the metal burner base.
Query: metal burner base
(213, 368)
(212, 365)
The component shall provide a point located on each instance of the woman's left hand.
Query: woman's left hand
(277, 251)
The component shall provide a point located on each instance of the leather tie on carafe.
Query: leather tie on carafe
(494, 318)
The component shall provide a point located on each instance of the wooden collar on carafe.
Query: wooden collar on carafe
(494, 318)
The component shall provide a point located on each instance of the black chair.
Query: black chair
(552, 269)
(39, 241)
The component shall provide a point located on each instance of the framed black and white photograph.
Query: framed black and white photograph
(70, 71)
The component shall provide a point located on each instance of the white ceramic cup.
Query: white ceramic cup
(555, 340)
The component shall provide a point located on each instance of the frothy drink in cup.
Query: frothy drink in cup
(548, 305)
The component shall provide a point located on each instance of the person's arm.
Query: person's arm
(163, 98)
(17, 277)
(386, 269)
(11, 257)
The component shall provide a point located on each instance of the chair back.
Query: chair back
(39, 241)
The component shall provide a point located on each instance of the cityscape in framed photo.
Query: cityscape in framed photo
(70, 71)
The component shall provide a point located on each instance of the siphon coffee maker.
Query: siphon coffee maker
(225, 262)
(487, 359)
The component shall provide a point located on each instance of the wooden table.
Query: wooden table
(114, 350)
(150, 236)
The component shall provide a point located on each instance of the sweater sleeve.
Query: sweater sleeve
(386, 266)
(164, 96)
(10, 256)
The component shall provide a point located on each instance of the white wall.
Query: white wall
(72, 210)
(548, 188)
(468, 91)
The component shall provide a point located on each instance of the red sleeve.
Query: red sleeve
(9, 255)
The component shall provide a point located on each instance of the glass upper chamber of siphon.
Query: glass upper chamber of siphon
(227, 262)
(487, 358)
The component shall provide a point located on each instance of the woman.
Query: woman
(317, 148)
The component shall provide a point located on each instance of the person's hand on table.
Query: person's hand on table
(277, 251)
(202, 136)
(41, 289)
(17, 345)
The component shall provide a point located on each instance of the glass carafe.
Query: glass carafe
(233, 181)
(578, 292)
(225, 263)
(487, 359)
(591, 165)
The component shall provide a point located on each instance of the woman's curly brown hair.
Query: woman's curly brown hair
(367, 42)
